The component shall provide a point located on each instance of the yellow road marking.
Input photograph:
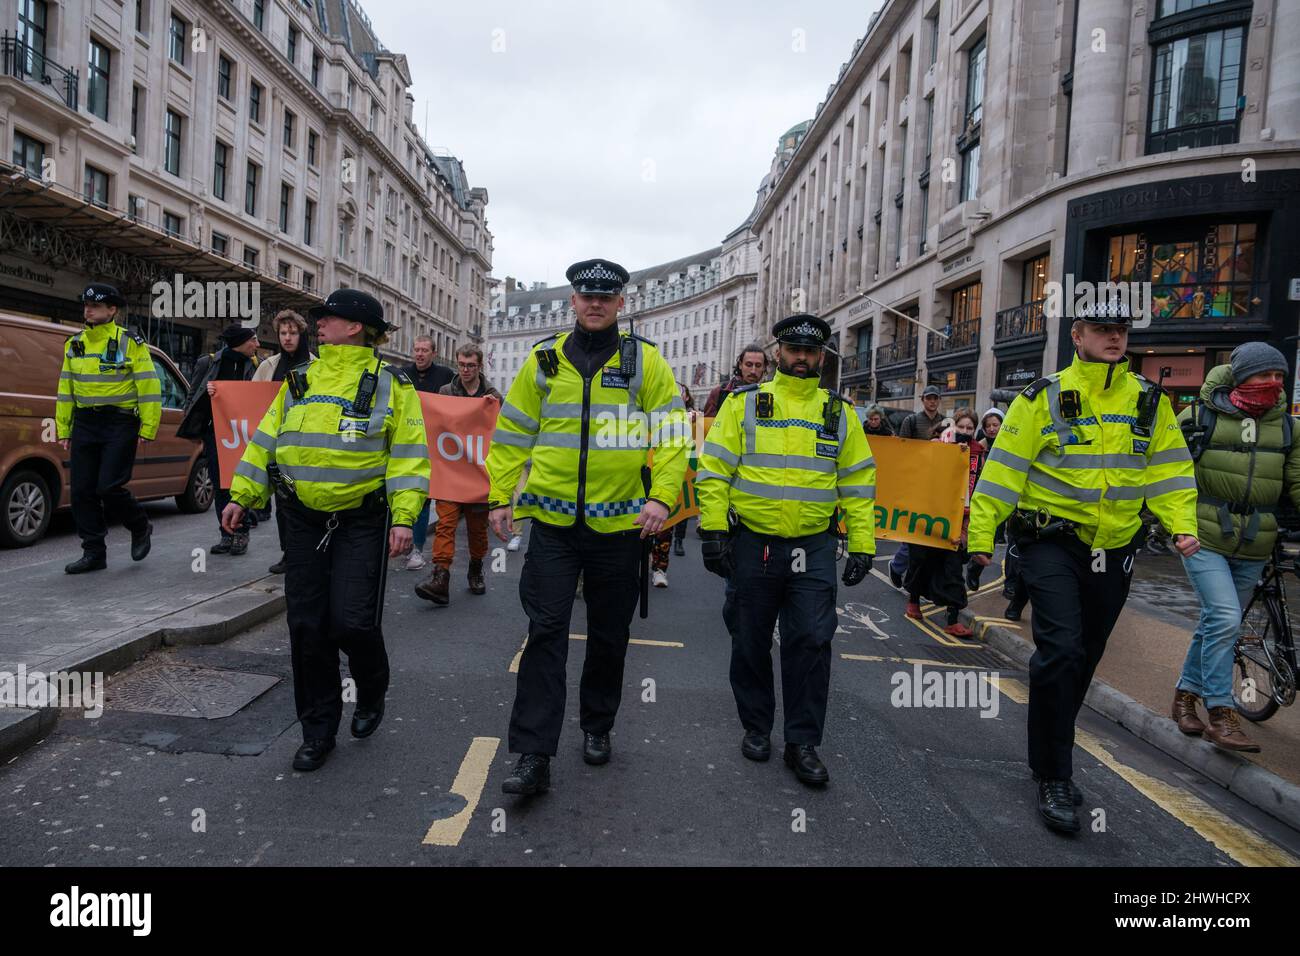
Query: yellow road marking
(984, 589)
(998, 620)
(514, 664)
(906, 660)
(635, 640)
(469, 783)
(1242, 844)
(938, 633)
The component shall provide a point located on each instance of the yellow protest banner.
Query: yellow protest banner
(920, 490)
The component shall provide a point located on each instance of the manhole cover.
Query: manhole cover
(181, 691)
(975, 657)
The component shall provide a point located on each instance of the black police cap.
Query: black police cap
(802, 329)
(103, 293)
(597, 277)
(353, 305)
(1106, 312)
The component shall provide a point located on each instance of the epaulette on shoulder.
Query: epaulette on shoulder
(745, 388)
(1033, 388)
(831, 393)
(553, 335)
(137, 338)
(639, 338)
(393, 370)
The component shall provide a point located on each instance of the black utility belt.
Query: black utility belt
(124, 412)
(1039, 525)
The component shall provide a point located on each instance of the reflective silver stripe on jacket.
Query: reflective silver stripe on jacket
(503, 437)
(1063, 432)
(854, 469)
(785, 492)
(1057, 486)
(513, 414)
(803, 462)
(751, 422)
(989, 487)
(338, 476)
(725, 454)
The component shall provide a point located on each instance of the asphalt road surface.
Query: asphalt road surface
(211, 782)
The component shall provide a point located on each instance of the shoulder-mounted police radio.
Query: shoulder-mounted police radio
(297, 381)
(1149, 403)
(365, 393)
(831, 413)
(78, 347)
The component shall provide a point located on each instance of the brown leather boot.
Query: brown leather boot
(435, 589)
(1184, 713)
(1225, 731)
(476, 582)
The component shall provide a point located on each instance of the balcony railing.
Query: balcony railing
(1219, 133)
(855, 366)
(1023, 321)
(896, 353)
(26, 63)
(965, 335)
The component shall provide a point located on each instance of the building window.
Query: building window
(291, 45)
(308, 280)
(282, 271)
(135, 118)
(172, 143)
(968, 143)
(139, 16)
(1194, 274)
(177, 32)
(255, 102)
(368, 250)
(221, 244)
(220, 161)
(172, 224)
(1034, 278)
(250, 257)
(308, 221)
(286, 200)
(97, 73)
(289, 120)
(312, 141)
(1195, 86)
(33, 16)
(135, 207)
(250, 188)
(374, 115)
(259, 19)
(95, 188)
(932, 28)
(388, 260)
(345, 230)
(225, 70)
(352, 93)
(315, 67)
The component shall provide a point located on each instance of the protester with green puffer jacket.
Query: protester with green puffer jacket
(1241, 474)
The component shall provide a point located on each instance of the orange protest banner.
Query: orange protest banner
(458, 430)
(920, 490)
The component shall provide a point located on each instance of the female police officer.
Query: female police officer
(345, 446)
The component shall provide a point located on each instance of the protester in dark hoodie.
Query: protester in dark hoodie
(233, 362)
(1238, 437)
(875, 423)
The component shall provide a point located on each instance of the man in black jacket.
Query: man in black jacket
(234, 362)
(427, 376)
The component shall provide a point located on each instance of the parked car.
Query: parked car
(34, 470)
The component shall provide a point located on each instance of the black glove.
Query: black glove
(856, 568)
(716, 550)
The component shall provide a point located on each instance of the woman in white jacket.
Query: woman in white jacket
(292, 331)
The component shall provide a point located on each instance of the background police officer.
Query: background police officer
(345, 445)
(109, 403)
(784, 455)
(584, 409)
(1077, 454)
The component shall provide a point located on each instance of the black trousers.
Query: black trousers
(547, 585)
(103, 457)
(220, 495)
(1075, 609)
(770, 583)
(334, 599)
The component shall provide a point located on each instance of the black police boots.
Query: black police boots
(807, 766)
(595, 749)
(141, 543)
(1075, 793)
(87, 562)
(366, 720)
(239, 543)
(679, 547)
(223, 546)
(1056, 806)
(311, 755)
(532, 774)
(756, 746)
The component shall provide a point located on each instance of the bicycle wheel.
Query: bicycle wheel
(1254, 677)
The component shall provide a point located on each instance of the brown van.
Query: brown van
(34, 473)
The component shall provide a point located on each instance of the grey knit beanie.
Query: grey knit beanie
(1251, 358)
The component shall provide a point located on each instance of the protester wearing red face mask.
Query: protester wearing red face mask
(1244, 463)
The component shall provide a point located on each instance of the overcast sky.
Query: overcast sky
(637, 131)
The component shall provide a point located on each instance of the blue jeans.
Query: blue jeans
(420, 532)
(1224, 586)
(898, 563)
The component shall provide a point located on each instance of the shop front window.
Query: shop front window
(1192, 277)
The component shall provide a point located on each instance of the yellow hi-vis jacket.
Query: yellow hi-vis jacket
(784, 473)
(1092, 468)
(335, 454)
(588, 440)
(114, 368)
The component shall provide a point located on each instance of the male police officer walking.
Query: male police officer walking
(1076, 456)
(109, 403)
(344, 444)
(578, 408)
(784, 455)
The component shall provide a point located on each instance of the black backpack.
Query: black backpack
(1199, 429)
